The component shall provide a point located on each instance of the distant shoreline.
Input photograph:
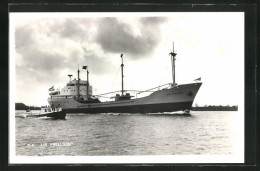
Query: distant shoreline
(215, 108)
(22, 106)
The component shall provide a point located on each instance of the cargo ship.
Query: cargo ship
(77, 96)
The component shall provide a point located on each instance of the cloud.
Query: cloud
(24, 37)
(70, 28)
(39, 66)
(153, 20)
(51, 38)
(116, 36)
(97, 64)
(44, 51)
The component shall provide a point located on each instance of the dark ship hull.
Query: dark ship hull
(149, 108)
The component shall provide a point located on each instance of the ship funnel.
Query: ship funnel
(70, 77)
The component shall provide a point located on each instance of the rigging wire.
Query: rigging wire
(115, 78)
(138, 91)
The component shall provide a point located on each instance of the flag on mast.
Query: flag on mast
(198, 79)
(51, 89)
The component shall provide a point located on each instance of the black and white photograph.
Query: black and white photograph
(126, 87)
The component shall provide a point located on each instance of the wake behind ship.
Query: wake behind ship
(77, 97)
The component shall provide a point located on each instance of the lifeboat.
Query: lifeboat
(54, 92)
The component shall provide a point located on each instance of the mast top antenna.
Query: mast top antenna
(173, 54)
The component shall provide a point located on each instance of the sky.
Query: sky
(46, 47)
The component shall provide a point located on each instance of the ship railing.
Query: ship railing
(63, 96)
(103, 95)
(168, 85)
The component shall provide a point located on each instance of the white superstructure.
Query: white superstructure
(71, 90)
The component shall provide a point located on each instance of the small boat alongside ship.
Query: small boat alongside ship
(56, 113)
(77, 96)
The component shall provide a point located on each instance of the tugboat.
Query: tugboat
(55, 113)
(77, 97)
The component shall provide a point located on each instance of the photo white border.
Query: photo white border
(13, 159)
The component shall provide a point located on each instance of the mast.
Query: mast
(122, 70)
(78, 84)
(173, 64)
(87, 86)
(87, 92)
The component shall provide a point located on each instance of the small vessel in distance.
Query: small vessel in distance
(56, 113)
(77, 97)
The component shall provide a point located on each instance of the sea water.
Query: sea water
(201, 132)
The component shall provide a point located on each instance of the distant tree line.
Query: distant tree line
(21, 106)
(215, 108)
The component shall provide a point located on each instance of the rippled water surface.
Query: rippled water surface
(126, 134)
